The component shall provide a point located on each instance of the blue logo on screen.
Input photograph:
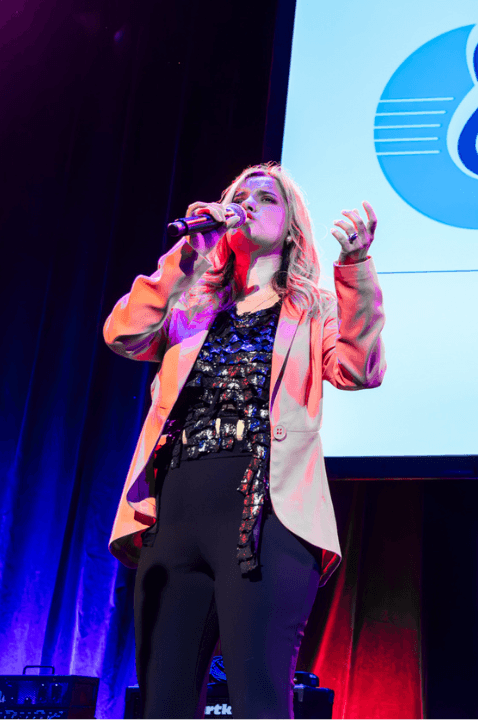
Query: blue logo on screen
(426, 129)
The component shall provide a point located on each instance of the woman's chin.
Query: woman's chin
(243, 242)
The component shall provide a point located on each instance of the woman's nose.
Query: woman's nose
(249, 203)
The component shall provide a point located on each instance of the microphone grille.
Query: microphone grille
(239, 211)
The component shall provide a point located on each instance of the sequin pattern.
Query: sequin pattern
(231, 377)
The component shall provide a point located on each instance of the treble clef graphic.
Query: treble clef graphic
(462, 135)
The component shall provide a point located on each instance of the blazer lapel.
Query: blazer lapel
(188, 339)
(289, 319)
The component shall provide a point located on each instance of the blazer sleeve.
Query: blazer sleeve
(137, 327)
(352, 350)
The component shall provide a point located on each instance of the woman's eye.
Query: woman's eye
(269, 199)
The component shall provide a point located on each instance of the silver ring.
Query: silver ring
(352, 237)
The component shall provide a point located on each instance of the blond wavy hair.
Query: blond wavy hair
(298, 276)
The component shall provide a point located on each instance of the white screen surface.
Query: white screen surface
(383, 106)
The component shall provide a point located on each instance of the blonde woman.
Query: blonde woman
(226, 506)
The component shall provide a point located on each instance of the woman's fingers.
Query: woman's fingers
(354, 217)
(357, 225)
(194, 207)
(338, 236)
(361, 232)
(204, 242)
(372, 218)
(344, 240)
(232, 222)
(345, 226)
(215, 210)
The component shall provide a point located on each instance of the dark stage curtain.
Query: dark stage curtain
(395, 631)
(114, 116)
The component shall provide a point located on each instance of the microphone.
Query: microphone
(204, 223)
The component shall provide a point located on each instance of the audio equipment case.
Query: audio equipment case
(48, 696)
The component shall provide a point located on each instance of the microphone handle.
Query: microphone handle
(192, 225)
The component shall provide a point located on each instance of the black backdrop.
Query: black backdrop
(114, 116)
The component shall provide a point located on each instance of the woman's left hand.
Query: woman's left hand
(358, 235)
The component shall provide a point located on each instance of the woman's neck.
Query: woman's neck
(254, 275)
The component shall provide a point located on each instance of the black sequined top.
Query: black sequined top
(226, 410)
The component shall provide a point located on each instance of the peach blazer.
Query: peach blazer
(342, 345)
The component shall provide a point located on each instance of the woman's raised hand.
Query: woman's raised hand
(203, 243)
(358, 234)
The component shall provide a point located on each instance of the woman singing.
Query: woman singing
(229, 460)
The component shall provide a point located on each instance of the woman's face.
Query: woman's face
(267, 215)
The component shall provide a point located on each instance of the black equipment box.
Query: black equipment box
(310, 701)
(48, 696)
(132, 705)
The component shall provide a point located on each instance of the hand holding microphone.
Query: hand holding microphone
(203, 217)
(207, 223)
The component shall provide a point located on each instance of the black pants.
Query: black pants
(189, 590)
